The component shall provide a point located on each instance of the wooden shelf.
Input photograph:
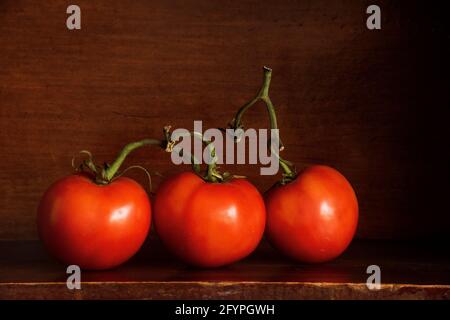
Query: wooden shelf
(408, 271)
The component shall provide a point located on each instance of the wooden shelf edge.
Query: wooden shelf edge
(221, 290)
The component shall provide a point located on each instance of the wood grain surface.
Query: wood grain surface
(407, 272)
(373, 104)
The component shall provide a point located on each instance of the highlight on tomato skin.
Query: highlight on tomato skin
(209, 224)
(314, 218)
(96, 227)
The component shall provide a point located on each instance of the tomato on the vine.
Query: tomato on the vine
(94, 226)
(95, 219)
(313, 218)
(209, 224)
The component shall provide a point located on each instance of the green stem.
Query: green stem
(170, 146)
(110, 171)
(106, 174)
(288, 171)
(212, 175)
(263, 94)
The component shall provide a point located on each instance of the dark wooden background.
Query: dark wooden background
(373, 104)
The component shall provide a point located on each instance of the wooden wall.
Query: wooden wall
(371, 103)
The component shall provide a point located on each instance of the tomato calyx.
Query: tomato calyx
(289, 171)
(212, 173)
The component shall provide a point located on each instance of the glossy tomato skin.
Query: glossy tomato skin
(314, 218)
(209, 224)
(94, 226)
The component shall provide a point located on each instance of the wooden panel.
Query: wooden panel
(408, 271)
(370, 103)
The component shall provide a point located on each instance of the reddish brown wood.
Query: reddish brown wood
(370, 103)
(409, 271)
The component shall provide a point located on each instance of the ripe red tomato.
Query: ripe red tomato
(209, 224)
(312, 219)
(94, 226)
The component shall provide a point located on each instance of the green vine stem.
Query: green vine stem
(107, 173)
(110, 171)
(212, 173)
(289, 172)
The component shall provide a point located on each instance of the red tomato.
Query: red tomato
(94, 226)
(209, 224)
(312, 219)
